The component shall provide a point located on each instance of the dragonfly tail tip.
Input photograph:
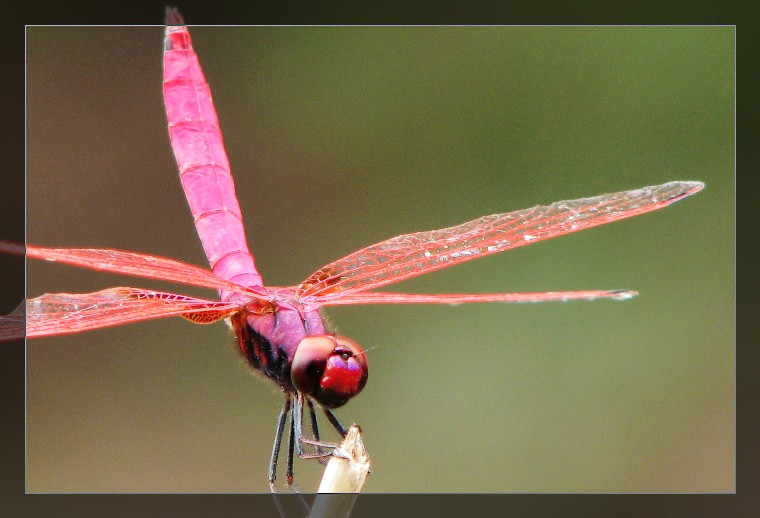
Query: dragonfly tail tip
(172, 16)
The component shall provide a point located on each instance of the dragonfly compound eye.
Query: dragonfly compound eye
(331, 369)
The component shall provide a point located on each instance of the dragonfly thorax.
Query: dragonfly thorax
(293, 349)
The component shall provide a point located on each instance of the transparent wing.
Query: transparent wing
(62, 313)
(410, 255)
(12, 324)
(370, 297)
(128, 263)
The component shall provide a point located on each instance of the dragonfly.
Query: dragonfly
(280, 331)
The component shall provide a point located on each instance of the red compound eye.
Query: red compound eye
(331, 369)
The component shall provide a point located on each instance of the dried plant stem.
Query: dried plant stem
(343, 478)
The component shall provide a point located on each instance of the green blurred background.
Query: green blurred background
(341, 137)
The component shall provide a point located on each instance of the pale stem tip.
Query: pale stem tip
(343, 477)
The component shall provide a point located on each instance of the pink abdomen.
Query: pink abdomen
(203, 166)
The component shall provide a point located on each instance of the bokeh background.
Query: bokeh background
(341, 137)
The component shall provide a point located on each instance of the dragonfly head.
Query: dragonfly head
(330, 369)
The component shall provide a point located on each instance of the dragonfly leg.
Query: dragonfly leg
(297, 422)
(315, 429)
(277, 441)
(294, 411)
(315, 441)
(320, 445)
(334, 421)
(295, 417)
(293, 444)
(313, 416)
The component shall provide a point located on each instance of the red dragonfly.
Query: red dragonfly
(280, 330)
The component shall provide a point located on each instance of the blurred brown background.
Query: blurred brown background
(341, 137)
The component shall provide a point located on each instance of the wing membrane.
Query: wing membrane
(128, 263)
(410, 255)
(371, 297)
(62, 313)
(12, 324)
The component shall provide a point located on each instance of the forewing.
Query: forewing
(128, 263)
(409, 255)
(62, 313)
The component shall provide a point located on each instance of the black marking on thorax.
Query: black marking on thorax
(261, 354)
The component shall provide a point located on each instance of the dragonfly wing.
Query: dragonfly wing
(410, 255)
(12, 324)
(372, 297)
(8, 247)
(62, 313)
(129, 263)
